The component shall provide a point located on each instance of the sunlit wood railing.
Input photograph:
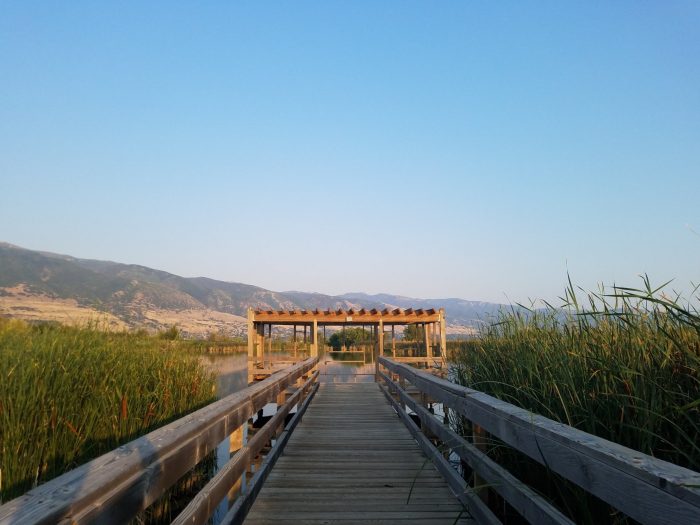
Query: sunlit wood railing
(647, 489)
(115, 487)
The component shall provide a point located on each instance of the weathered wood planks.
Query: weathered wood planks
(200, 509)
(113, 488)
(645, 488)
(351, 460)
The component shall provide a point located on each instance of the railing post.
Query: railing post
(402, 384)
(236, 442)
(479, 439)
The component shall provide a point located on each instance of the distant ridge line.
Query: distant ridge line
(131, 291)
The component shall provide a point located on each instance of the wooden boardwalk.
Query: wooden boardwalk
(345, 458)
(352, 460)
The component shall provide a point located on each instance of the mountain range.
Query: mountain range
(38, 285)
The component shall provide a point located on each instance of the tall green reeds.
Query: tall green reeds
(70, 394)
(624, 366)
(622, 363)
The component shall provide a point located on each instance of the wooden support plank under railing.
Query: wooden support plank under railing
(531, 505)
(647, 489)
(113, 488)
(200, 509)
(464, 493)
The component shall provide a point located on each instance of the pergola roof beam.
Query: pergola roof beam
(349, 316)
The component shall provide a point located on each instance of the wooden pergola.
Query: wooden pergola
(260, 323)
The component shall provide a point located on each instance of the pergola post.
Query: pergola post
(269, 346)
(443, 335)
(426, 339)
(261, 342)
(251, 335)
(314, 339)
(294, 340)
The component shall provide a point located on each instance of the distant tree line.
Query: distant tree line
(352, 337)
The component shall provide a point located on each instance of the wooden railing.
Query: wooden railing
(113, 488)
(647, 489)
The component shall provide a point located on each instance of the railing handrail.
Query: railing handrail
(120, 483)
(645, 488)
(202, 506)
(531, 505)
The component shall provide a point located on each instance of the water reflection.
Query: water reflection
(351, 366)
(231, 372)
(231, 376)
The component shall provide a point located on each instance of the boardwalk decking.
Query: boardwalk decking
(352, 460)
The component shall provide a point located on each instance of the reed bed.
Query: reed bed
(69, 394)
(624, 365)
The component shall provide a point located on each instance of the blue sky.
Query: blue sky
(454, 149)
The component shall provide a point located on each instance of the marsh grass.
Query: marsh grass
(69, 394)
(622, 363)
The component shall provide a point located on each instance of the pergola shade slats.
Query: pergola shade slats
(349, 316)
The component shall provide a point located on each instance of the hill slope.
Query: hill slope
(35, 284)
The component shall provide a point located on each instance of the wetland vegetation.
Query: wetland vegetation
(623, 364)
(69, 394)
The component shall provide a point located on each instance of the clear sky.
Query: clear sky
(432, 149)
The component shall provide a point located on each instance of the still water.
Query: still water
(340, 367)
(231, 372)
(231, 376)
